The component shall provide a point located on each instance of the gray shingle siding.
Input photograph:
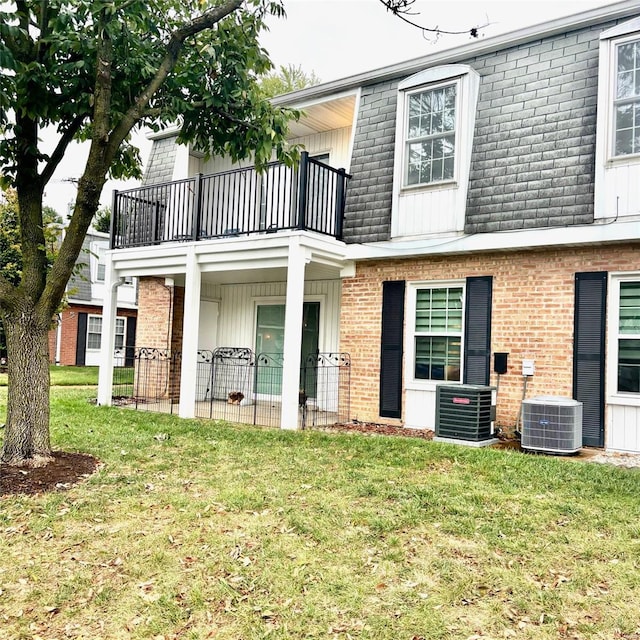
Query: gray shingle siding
(161, 161)
(368, 207)
(79, 287)
(532, 162)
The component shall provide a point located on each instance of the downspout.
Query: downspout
(58, 340)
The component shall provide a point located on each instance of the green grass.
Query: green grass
(66, 376)
(239, 532)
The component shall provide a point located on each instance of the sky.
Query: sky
(339, 38)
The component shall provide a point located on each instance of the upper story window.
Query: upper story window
(431, 135)
(435, 123)
(627, 99)
(98, 250)
(617, 160)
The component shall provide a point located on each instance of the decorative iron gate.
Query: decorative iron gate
(235, 385)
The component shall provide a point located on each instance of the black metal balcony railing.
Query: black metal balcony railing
(309, 197)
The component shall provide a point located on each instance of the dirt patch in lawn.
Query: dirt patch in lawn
(64, 471)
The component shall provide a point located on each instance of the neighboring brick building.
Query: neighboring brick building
(77, 335)
(492, 208)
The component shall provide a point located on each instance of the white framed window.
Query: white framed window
(98, 264)
(435, 121)
(628, 337)
(94, 333)
(626, 99)
(436, 314)
(430, 135)
(617, 159)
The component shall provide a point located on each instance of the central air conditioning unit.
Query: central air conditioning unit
(464, 414)
(552, 424)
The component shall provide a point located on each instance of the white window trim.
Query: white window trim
(457, 83)
(418, 384)
(468, 83)
(605, 131)
(613, 326)
(98, 250)
(97, 350)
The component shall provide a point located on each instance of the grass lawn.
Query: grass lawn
(196, 530)
(66, 376)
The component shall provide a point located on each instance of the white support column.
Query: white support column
(190, 328)
(108, 341)
(292, 335)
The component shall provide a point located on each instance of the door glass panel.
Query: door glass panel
(270, 340)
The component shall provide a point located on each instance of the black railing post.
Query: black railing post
(340, 201)
(197, 212)
(303, 184)
(112, 220)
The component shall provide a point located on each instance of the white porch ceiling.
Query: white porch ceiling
(324, 116)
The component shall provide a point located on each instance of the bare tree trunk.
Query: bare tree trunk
(26, 437)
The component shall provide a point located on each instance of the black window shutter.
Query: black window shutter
(391, 349)
(81, 341)
(477, 330)
(130, 342)
(589, 353)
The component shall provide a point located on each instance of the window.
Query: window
(94, 332)
(629, 338)
(431, 135)
(435, 120)
(617, 159)
(98, 250)
(438, 333)
(627, 99)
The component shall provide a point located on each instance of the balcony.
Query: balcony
(241, 202)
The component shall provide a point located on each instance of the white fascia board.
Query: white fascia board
(99, 303)
(594, 234)
(228, 254)
(169, 132)
(618, 10)
(304, 103)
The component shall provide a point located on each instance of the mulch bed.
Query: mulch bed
(64, 471)
(375, 429)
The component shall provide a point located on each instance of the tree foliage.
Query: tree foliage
(102, 220)
(10, 250)
(286, 79)
(96, 70)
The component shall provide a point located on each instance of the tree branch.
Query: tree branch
(174, 46)
(61, 147)
(402, 8)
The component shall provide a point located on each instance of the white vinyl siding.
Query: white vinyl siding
(623, 363)
(336, 143)
(617, 160)
(237, 321)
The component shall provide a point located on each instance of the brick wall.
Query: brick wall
(532, 316)
(161, 309)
